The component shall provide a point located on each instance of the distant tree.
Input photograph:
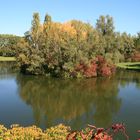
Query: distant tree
(8, 44)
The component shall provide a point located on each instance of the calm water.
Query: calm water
(46, 102)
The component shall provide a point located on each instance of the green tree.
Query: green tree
(137, 41)
(105, 25)
(128, 44)
(35, 30)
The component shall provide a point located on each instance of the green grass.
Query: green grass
(7, 58)
(129, 65)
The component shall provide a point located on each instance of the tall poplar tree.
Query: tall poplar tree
(35, 29)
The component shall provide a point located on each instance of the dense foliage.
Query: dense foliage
(8, 44)
(137, 41)
(17, 132)
(73, 48)
(62, 132)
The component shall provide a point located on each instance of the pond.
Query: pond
(45, 102)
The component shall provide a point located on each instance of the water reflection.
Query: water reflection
(47, 102)
(7, 70)
(74, 102)
(127, 77)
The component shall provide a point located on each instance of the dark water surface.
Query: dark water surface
(46, 102)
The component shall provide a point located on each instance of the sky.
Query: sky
(16, 15)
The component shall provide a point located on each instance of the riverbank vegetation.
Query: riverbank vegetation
(74, 48)
(61, 132)
(17, 132)
(129, 65)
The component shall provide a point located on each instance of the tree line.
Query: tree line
(74, 48)
(8, 44)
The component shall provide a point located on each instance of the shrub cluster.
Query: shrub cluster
(61, 132)
(17, 132)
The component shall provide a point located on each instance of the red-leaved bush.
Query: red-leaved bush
(104, 68)
(96, 67)
(93, 133)
(136, 57)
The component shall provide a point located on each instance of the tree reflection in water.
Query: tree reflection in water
(74, 102)
(7, 70)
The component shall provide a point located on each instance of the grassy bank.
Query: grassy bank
(129, 65)
(7, 58)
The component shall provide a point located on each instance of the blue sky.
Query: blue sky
(16, 15)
